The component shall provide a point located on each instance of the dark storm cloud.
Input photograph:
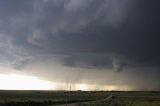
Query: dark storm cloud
(88, 61)
(89, 34)
(63, 27)
(128, 28)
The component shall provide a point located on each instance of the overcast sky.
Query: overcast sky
(100, 42)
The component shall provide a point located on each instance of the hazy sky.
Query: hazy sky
(104, 43)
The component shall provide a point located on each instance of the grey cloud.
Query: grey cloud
(119, 64)
(80, 34)
(79, 24)
(105, 26)
(92, 61)
(73, 26)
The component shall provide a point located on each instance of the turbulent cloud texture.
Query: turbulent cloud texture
(84, 39)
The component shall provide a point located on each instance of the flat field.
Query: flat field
(79, 98)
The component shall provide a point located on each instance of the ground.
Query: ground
(79, 98)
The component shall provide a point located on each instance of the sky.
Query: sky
(89, 44)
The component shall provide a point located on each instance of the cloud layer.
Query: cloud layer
(80, 36)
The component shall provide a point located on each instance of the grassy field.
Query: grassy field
(130, 99)
(78, 98)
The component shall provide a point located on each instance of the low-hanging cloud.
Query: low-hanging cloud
(80, 34)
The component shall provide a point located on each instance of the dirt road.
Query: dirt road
(83, 103)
